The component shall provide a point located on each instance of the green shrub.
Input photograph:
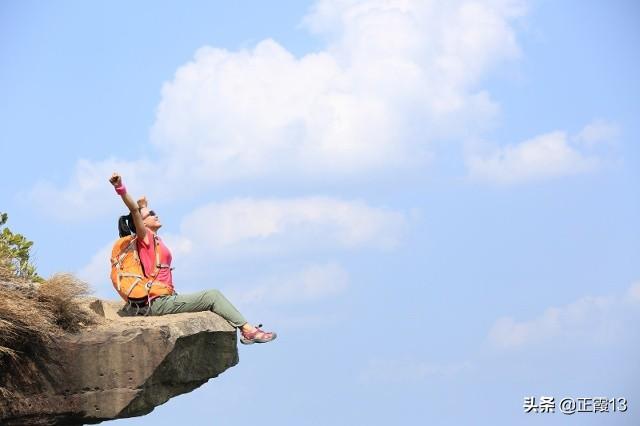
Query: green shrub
(15, 251)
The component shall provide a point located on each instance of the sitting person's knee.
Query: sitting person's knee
(212, 295)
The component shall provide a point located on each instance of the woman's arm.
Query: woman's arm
(116, 181)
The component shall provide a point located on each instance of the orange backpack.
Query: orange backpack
(128, 276)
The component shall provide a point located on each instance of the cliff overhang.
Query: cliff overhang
(123, 366)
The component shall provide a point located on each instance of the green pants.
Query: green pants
(208, 300)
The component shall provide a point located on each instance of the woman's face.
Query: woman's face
(150, 219)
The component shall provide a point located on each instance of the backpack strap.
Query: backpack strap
(156, 249)
(156, 272)
(156, 252)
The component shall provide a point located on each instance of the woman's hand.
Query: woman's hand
(142, 203)
(116, 179)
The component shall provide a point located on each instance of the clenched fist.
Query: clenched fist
(115, 179)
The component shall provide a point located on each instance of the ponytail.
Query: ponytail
(126, 226)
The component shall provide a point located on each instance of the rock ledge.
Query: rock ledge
(125, 366)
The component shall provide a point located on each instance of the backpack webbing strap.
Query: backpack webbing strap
(135, 283)
(158, 265)
(156, 249)
(129, 274)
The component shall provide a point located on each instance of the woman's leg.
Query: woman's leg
(211, 300)
(208, 300)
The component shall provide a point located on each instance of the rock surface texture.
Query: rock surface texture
(124, 366)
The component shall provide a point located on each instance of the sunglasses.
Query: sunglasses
(151, 213)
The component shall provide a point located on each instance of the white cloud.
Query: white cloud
(97, 273)
(245, 226)
(312, 283)
(544, 157)
(597, 132)
(594, 318)
(633, 294)
(371, 100)
(89, 192)
(346, 109)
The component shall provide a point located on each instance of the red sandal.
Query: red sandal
(257, 336)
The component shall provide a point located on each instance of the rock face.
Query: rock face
(124, 367)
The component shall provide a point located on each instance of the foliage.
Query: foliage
(33, 312)
(15, 252)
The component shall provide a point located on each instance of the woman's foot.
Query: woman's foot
(256, 335)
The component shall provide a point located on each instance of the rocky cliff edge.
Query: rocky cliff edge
(124, 366)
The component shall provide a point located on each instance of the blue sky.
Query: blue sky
(434, 203)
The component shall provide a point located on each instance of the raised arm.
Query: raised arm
(116, 181)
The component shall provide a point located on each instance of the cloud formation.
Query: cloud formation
(248, 225)
(309, 284)
(598, 132)
(592, 317)
(543, 157)
(369, 101)
(97, 272)
(89, 192)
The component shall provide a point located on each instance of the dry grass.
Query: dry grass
(59, 295)
(32, 315)
(5, 270)
(25, 333)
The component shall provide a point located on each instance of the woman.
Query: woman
(147, 224)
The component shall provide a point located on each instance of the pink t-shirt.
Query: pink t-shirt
(148, 258)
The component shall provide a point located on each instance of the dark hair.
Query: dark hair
(126, 226)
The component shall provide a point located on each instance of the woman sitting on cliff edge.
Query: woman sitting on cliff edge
(147, 224)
